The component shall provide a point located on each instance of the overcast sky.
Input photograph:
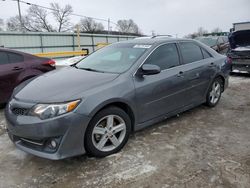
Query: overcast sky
(162, 16)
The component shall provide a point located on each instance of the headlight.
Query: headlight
(45, 111)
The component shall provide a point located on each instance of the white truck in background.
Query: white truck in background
(240, 26)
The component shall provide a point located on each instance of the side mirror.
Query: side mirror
(148, 69)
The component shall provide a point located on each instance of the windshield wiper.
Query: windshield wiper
(90, 69)
(74, 65)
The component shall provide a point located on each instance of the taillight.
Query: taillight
(50, 62)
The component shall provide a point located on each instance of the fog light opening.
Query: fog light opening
(53, 144)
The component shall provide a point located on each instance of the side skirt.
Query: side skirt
(166, 116)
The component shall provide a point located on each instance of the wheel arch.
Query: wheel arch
(120, 104)
(222, 78)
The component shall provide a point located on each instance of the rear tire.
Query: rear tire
(214, 92)
(107, 132)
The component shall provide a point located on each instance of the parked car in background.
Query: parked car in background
(218, 43)
(16, 67)
(94, 105)
(69, 61)
(239, 50)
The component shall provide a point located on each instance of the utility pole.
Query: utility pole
(20, 16)
(78, 37)
(108, 26)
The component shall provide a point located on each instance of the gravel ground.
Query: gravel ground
(200, 148)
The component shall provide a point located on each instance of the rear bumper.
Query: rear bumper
(241, 65)
(34, 135)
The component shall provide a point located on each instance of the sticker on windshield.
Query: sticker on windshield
(142, 46)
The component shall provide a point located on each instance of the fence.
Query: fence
(36, 42)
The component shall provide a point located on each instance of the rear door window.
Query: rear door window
(165, 56)
(205, 54)
(3, 58)
(15, 58)
(190, 52)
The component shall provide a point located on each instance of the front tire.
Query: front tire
(107, 132)
(214, 93)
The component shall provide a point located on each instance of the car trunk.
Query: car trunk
(240, 44)
(240, 50)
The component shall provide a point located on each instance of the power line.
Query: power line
(73, 14)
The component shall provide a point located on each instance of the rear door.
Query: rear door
(199, 69)
(161, 93)
(11, 65)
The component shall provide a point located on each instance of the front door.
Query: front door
(161, 93)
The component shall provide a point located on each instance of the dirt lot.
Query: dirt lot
(201, 148)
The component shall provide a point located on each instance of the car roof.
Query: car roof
(152, 41)
(208, 37)
(16, 51)
(161, 40)
(10, 50)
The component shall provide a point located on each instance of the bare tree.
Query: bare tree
(1, 24)
(90, 25)
(35, 20)
(62, 16)
(216, 30)
(191, 36)
(201, 31)
(13, 24)
(39, 18)
(128, 26)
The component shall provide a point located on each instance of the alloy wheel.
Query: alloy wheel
(108, 133)
(215, 93)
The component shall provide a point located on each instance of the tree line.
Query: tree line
(201, 32)
(37, 19)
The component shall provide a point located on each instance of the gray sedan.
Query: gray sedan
(93, 106)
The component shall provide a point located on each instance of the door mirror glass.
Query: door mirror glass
(149, 69)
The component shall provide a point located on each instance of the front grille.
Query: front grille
(20, 111)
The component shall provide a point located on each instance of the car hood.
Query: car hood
(69, 61)
(239, 39)
(61, 85)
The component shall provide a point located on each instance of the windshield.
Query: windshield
(116, 58)
(208, 41)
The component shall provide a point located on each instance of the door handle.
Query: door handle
(17, 68)
(180, 74)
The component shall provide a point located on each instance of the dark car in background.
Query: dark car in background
(16, 67)
(218, 43)
(118, 89)
(239, 50)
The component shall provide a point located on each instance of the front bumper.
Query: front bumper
(34, 135)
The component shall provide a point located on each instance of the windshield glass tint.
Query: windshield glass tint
(116, 58)
(208, 41)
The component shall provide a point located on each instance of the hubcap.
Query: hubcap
(215, 93)
(108, 133)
